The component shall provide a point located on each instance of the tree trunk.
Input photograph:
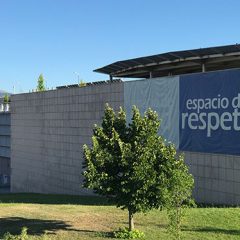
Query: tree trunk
(130, 220)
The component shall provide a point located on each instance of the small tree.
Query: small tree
(41, 84)
(178, 196)
(82, 84)
(129, 164)
(6, 99)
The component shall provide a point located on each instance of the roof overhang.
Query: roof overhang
(175, 63)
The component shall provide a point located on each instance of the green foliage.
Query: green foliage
(6, 99)
(178, 196)
(82, 84)
(130, 164)
(41, 84)
(124, 233)
(22, 236)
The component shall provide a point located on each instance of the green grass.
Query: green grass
(91, 218)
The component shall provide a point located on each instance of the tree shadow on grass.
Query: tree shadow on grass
(53, 199)
(38, 227)
(214, 230)
(35, 226)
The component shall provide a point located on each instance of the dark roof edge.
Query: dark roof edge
(169, 57)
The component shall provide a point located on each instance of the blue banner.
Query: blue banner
(209, 112)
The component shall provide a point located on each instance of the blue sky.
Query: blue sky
(60, 37)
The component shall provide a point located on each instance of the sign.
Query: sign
(199, 112)
(209, 112)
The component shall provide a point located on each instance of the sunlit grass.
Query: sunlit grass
(85, 218)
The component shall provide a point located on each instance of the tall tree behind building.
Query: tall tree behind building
(41, 83)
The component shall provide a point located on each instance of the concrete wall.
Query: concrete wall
(48, 131)
(217, 177)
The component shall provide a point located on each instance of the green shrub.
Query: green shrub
(178, 196)
(124, 233)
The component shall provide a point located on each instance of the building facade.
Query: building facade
(5, 152)
(49, 129)
(199, 112)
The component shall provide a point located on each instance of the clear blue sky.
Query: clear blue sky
(60, 37)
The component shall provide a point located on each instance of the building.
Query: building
(196, 93)
(5, 142)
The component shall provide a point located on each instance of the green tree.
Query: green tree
(178, 196)
(6, 99)
(82, 84)
(41, 84)
(129, 164)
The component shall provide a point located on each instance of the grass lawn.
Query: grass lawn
(90, 218)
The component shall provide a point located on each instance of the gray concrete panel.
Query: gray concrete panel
(217, 177)
(48, 132)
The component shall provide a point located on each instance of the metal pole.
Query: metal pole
(203, 67)
(150, 75)
(78, 77)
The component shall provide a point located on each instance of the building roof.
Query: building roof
(90, 83)
(176, 63)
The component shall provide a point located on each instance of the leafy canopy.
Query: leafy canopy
(130, 164)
